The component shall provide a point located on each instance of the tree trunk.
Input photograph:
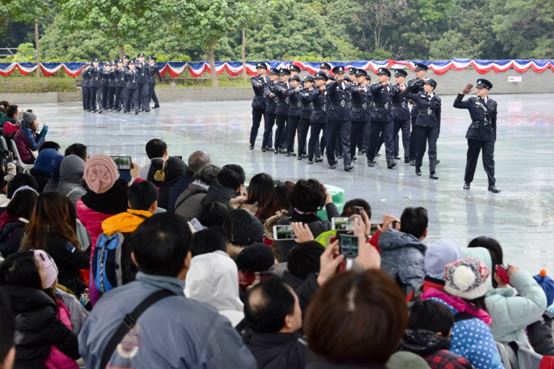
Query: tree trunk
(211, 57)
(37, 47)
(243, 52)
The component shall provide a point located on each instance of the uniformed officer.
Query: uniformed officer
(318, 119)
(415, 86)
(295, 107)
(93, 83)
(401, 117)
(270, 106)
(142, 80)
(119, 85)
(481, 134)
(110, 89)
(338, 119)
(131, 86)
(280, 90)
(153, 73)
(307, 95)
(85, 86)
(325, 68)
(102, 86)
(428, 106)
(360, 112)
(294, 70)
(258, 105)
(381, 117)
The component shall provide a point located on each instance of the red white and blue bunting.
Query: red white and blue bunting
(234, 68)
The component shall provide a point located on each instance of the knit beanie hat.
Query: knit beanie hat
(304, 259)
(438, 254)
(547, 285)
(100, 173)
(255, 258)
(29, 118)
(246, 229)
(48, 266)
(466, 278)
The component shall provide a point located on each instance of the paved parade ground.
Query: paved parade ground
(521, 217)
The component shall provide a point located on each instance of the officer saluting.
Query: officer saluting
(258, 104)
(153, 72)
(415, 86)
(481, 134)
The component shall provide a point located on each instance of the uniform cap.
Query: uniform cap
(383, 72)
(484, 83)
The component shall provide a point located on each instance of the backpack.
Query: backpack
(107, 271)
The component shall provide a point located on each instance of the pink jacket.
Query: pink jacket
(58, 360)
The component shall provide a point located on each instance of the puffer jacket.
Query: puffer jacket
(57, 359)
(471, 338)
(37, 328)
(511, 313)
(28, 141)
(402, 257)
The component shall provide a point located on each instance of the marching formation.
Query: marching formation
(346, 115)
(122, 85)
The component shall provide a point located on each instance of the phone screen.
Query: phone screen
(122, 162)
(283, 233)
(341, 224)
(348, 246)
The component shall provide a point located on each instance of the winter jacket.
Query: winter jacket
(71, 178)
(511, 313)
(57, 359)
(277, 350)
(28, 141)
(77, 312)
(217, 192)
(69, 260)
(178, 188)
(213, 279)
(433, 348)
(541, 336)
(316, 225)
(11, 235)
(176, 332)
(471, 338)
(37, 328)
(402, 257)
(189, 203)
(324, 364)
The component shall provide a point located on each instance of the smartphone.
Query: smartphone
(283, 233)
(341, 224)
(348, 245)
(179, 157)
(502, 273)
(122, 162)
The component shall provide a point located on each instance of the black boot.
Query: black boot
(467, 186)
(494, 189)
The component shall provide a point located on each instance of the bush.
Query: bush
(31, 84)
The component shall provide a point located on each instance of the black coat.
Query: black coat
(382, 95)
(277, 350)
(483, 117)
(319, 113)
(37, 327)
(258, 85)
(269, 97)
(338, 95)
(69, 261)
(307, 98)
(10, 237)
(428, 109)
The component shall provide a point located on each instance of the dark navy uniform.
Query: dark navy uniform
(318, 120)
(338, 120)
(258, 103)
(142, 86)
(481, 134)
(131, 79)
(94, 72)
(295, 108)
(427, 127)
(119, 85)
(401, 120)
(381, 120)
(270, 106)
(101, 89)
(85, 87)
(415, 86)
(307, 96)
(280, 90)
(361, 100)
(110, 92)
(153, 73)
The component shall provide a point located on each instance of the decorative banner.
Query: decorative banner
(235, 68)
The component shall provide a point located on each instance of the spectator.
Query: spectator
(7, 335)
(22, 280)
(173, 168)
(354, 206)
(429, 333)
(464, 295)
(540, 332)
(20, 180)
(279, 201)
(78, 149)
(70, 184)
(156, 172)
(44, 167)
(303, 261)
(49, 145)
(402, 252)
(254, 263)
(27, 139)
(213, 275)
(189, 203)
(142, 197)
(488, 250)
(155, 149)
(206, 339)
(196, 161)
(307, 197)
(438, 254)
(16, 217)
(9, 124)
(52, 184)
(229, 184)
(246, 230)
(351, 308)
(260, 190)
(53, 229)
(273, 314)
(217, 215)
